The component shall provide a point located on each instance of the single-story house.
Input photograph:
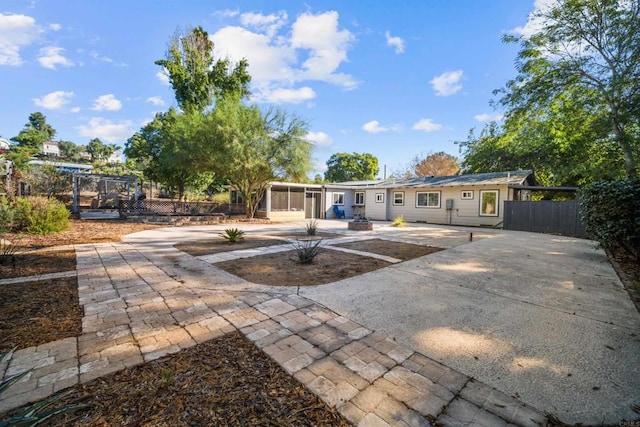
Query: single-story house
(472, 200)
(50, 148)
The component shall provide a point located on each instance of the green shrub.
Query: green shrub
(611, 214)
(311, 227)
(233, 235)
(7, 215)
(306, 250)
(39, 215)
(398, 222)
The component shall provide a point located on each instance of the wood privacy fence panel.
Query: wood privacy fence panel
(544, 216)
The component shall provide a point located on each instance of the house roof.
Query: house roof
(491, 178)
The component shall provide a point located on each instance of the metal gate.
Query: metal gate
(544, 216)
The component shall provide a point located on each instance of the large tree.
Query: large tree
(433, 164)
(70, 150)
(169, 151)
(351, 167)
(590, 49)
(252, 147)
(34, 133)
(99, 151)
(197, 79)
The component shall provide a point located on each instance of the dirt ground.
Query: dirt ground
(214, 246)
(282, 268)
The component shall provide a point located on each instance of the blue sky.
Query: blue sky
(394, 79)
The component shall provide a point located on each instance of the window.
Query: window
(379, 197)
(398, 198)
(338, 199)
(489, 203)
(428, 199)
(467, 195)
(359, 198)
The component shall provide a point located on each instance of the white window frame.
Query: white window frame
(339, 200)
(496, 210)
(359, 194)
(467, 195)
(379, 197)
(395, 200)
(427, 206)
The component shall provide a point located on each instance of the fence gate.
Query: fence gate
(544, 216)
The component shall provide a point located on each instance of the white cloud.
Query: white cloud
(427, 125)
(155, 100)
(106, 103)
(395, 42)
(75, 110)
(534, 22)
(51, 56)
(270, 24)
(163, 77)
(106, 130)
(16, 31)
(54, 100)
(485, 117)
(447, 83)
(55, 27)
(280, 56)
(279, 96)
(319, 139)
(374, 127)
(320, 167)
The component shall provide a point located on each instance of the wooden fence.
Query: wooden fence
(544, 216)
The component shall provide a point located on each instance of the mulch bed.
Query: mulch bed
(399, 250)
(34, 313)
(36, 263)
(227, 381)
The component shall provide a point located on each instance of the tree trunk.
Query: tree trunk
(623, 143)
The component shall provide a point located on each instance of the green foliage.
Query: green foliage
(175, 151)
(36, 413)
(40, 215)
(398, 222)
(7, 215)
(35, 133)
(194, 75)
(306, 250)
(351, 167)
(587, 49)
(250, 148)
(70, 151)
(611, 214)
(311, 227)
(221, 198)
(99, 151)
(233, 235)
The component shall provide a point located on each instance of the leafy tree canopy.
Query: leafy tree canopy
(589, 50)
(34, 133)
(351, 167)
(433, 164)
(255, 147)
(197, 79)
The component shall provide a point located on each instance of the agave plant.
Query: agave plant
(36, 413)
(233, 235)
(306, 250)
(311, 227)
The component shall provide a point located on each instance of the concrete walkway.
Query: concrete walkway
(372, 345)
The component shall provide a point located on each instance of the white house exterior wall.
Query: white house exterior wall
(464, 212)
(373, 209)
(349, 200)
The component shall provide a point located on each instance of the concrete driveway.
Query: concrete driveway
(540, 317)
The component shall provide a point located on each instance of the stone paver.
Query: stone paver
(138, 309)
